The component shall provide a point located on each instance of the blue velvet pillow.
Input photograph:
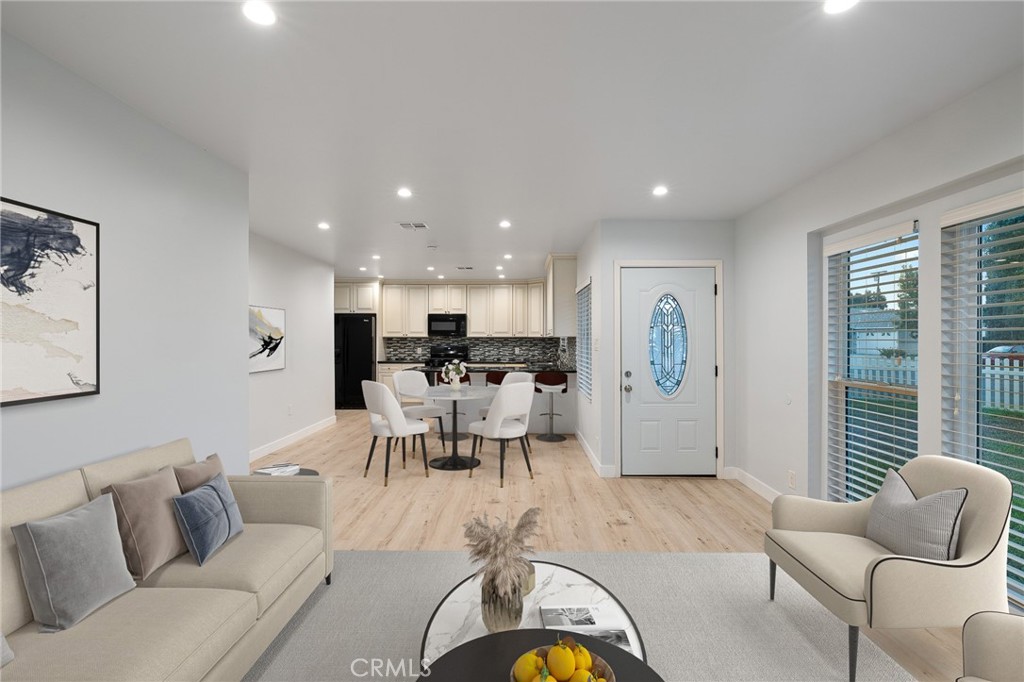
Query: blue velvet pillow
(208, 516)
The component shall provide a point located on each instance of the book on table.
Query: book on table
(282, 469)
(591, 620)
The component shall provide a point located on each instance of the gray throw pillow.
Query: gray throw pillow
(7, 655)
(72, 563)
(927, 528)
(208, 516)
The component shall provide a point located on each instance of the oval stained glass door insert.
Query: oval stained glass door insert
(667, 345)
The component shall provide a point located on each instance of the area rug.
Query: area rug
(702, 617)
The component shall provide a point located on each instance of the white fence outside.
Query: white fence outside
(900, 371)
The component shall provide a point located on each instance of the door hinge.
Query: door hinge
(716, 452)
(716, 290)
(716, 370)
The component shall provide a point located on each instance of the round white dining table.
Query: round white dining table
(454, 462)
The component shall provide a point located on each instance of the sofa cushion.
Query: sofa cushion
(7, 654)
(208, 517)
(192, 476)
(72, 563)
(136, 465)
(145, 518)
(927, 528)
(154, 634)
(263, 560)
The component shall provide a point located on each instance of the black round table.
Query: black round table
(454, 462)
(491, 658)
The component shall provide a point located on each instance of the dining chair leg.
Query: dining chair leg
(522, 444)
(414, 447)
(423, 449)
(502, 456)
(472, 454)
(440, 427)
(403, 452)
(529, 445)
(387, 460)
(373, 444)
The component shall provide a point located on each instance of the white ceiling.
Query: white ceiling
(553, 115)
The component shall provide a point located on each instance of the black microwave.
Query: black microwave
(446, 325)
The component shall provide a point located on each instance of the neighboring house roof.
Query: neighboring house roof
(873, 320)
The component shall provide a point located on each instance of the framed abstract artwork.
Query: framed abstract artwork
(49, 304)
(266, 339)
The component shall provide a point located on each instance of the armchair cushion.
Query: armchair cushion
(927, 528)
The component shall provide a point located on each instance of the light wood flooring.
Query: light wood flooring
(581, 512)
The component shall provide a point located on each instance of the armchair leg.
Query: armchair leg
(328, 579)
(771, 579)
(854, 637)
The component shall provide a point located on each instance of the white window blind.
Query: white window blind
(872, 364)
(584, 350)
(983, 357)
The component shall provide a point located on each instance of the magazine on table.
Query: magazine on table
(591, 620)
(282, 469)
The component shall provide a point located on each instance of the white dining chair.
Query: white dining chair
(413, 385)
(514, 378)
(504, 422)
(388, 420)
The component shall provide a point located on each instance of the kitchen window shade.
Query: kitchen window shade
(983, 357)
(584, 349)
(872, 364)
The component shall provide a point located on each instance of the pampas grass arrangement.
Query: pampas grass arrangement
(501, 549)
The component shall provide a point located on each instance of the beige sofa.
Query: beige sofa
(184, 622)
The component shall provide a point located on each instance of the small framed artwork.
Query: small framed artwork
(49, 271)
(266, 339)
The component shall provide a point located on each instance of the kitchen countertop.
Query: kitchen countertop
(481, 368)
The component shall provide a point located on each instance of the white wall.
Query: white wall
(915, 172)
(620, 240)
(174, 242)
(285, 405)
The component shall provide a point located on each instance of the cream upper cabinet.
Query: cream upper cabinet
(535, 309)
(457, 298)
(478, 307)
(520, 310)
(342, 298)
(364, 297)
(393, 319)
(560, 308)
(501, 310)
(416, 304)
(437, 298)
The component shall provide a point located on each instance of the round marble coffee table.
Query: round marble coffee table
(457, 620)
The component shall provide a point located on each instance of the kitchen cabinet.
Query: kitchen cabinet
(560, 304)
(520, 309)
(405, 310)
(535, 309)
(393, 318)
(386, 370)
(478, 310)
(416, 310)
(501, 310)
(355, 297)
(447, 298)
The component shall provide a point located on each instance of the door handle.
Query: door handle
(627, 388)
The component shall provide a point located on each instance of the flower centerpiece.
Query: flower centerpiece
(453, 373)
(506, 574)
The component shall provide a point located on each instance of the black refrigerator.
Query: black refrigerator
(355, 345)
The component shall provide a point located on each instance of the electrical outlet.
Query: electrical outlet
(792, 480)
(515, 350)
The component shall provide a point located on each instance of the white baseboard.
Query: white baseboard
(291, 438)
(759, 487)
(603, 470)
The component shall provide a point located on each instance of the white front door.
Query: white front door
(668, 371)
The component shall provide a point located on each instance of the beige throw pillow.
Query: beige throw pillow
(145, 518)
(192, 476)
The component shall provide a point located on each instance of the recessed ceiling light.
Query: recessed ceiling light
(375, 257)
(323, 226)
(501, 276)
(259, 12)
(508, 256)
(660, 191)
(362, 269)
(440, 276)
(838, 6)
(499, 267)
(404, 192)
(504, 223)
(430, 268)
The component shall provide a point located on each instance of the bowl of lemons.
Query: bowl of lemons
(564, 661)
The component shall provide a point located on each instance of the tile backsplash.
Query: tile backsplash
(400, 349)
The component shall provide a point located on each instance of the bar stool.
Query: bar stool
(495, 378)
(551, 383)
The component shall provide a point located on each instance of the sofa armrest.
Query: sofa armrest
(994, 646)
(908, 592)
(302, 500)
(793, 512)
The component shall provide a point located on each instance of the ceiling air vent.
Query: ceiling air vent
(414, 227)
(463, 267)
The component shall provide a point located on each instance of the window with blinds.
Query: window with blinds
(872, 364)
(983, 357)
(584, 350)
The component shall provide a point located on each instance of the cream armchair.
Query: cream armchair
(993, 648)
(822, 546)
